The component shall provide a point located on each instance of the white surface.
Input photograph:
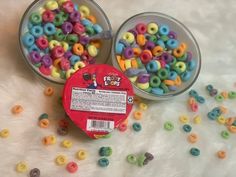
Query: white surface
(212, 23)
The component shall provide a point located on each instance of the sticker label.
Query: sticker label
(94, 100)
(100, 125)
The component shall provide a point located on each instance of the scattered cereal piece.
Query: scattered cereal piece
(21, 167)
(72, 167)
(187, 128)
(43, 116)
(138, 115)
(195, 151)
(193, 138)
(221, 120)
(61, 160)
(197, 119)
(221, 154)
(184, 119)
(34, 172)
(137, 127)
(232, 129)
(81, 154)
(122, 127)
(62, 131)
(49, 140)
(169, 126)
(225, 134)
(48, 91)
(103, 162)
(44, 123)
(17, 109)
(223, 109)
(143, 106)
(105, 151)
(230, 121)
(132, 159)
(66, 144)
(4, 133)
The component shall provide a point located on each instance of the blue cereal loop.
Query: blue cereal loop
(172, 75)
(212, 115)
(28, 40)
(186, 76)
(34, 48)
(157, 91)
(119, 48)
(191, 65)
(36, 31)
(172, 44)
(74, 59)
(152, 66)
(161, 43)
(97, 28)
(49, 29)
(164, 30)
(86, 22)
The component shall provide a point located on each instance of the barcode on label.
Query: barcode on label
(100, 125)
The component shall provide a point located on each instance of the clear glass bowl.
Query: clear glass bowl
(184, 35)
(95, 9)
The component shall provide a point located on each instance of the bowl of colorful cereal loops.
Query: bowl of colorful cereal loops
(59, 37)
(158, 54)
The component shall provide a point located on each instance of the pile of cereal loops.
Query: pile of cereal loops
(140, 160)
(104, 152)
(194, 99)
(153, 59)
(59, 38)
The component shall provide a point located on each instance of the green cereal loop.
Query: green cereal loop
(219, 98)
(132, 159)
(72, 39)
(183, 58)
(194, 151)
(163, 73)
(164, 38)
(169, 126)
(149, 89)
(89, 30)
(64, 15)
(137, 127)
(153, 38)
(105, 151)
(141, 159)
(37, 65)
(225, 134)
(35, 18)
(59, 36)
(58, 21)
(164, 87)
(232, 94)
(43, 116)
(155, 81)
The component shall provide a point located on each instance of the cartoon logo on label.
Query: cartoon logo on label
(92, 81)
(112, 80)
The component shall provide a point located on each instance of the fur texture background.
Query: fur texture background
(212, 23)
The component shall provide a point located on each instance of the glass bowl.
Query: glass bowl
(184, 35)
(102, 20)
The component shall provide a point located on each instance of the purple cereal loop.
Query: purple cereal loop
(172, 88)
(172, 35)
(166, 57)
(131, 72)
(149, 45)
(68, 54)
(134, 32)
(35, 57)
(47, 61)
(189, 56)
(143, 78)
(67, 27)
(128, 52)
(75, 16)
(84, 40)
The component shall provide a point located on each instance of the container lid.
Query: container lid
(97, 99)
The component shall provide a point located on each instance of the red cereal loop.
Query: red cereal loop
(45, 71)
(72, 167)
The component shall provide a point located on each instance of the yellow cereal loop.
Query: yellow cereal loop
(53, 43)
(21, 167)
(51, 5)
(69, 73)
(4, 133)
(92, 50)
(128, 64)
(84, 10)
(143, 106)
(184, 119)
(67, 144)
(152, 28)
(81, 154)
(133, 79)
(41, 10)
(197, 119)
(128, 37)
(65, 45)
(55, 72)
(61, 160)
(60, 2)
(143, 86)
(53, 139)
(78, 65)
(221, 120)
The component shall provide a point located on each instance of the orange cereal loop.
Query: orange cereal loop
(137, 99)
(193, 138)
(44, 123)
(121, 62)
(125, 121)
(148, 51)
(224, 94)
(17, 109)
(169, 82)
(48, 91)
(183, 46)
(141, 40)
(137, 51)
(97, 43)
(221, 154)
(178, 52)
(57, 62)
(138, 115)
(47, 140)
(157, 51)
(230, 121)
(92, 19)
(223, 109)
(134, 63)
(78, 49)
(191, 101)
(232, 129)
(178, 81)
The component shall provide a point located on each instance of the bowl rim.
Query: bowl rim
(148, 95)
(26, 58)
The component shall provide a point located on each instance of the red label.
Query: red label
(98, 98)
